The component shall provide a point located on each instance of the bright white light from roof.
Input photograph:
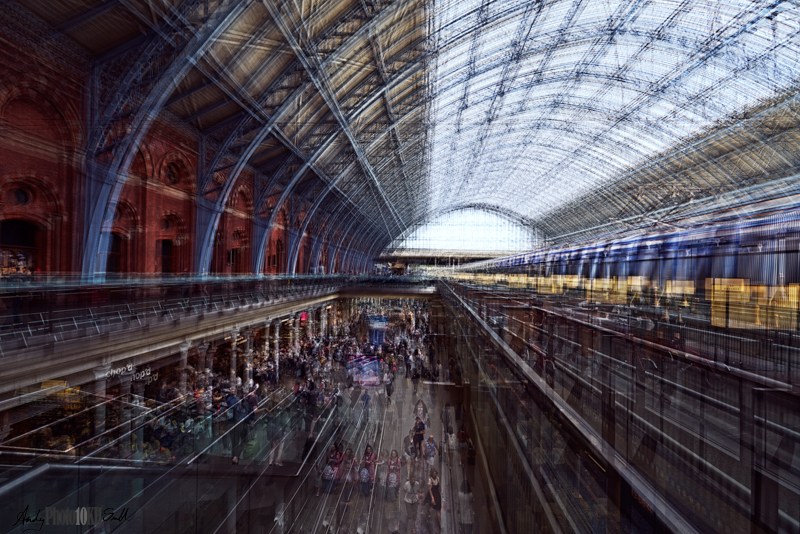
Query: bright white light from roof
(470, 230)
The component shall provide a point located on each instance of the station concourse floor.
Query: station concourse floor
(388, 424)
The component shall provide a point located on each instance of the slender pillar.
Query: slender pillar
(138, 434)
(248, 372)
(184, 370)
(310, 324)
(234, 335)
(276, 338)
(296, 330)
(323, 321)
(125, 439)
(202, 362)
(101, 380)
(248, 355)
(276, 352)
(202, 348)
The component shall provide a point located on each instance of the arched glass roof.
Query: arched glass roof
(360, 120)
(542, 102)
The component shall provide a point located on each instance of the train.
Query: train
(741, 270)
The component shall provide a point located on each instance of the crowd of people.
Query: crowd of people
(251, 420)
(409, 474)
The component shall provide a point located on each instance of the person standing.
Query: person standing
(335, 456)
(349, 468)
(364, 480)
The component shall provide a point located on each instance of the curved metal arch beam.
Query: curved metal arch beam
(280, 49)
(332, 183)
(104, 201)
(208, 220)
(209, 214)
(361, 232)
(339, 252)
(310, 163)
(579, 211)
(320, 78)
(582, 166)
(316, 247)
(369, 237)
(728, 138)
(334, 222)
(709, 50)
(371, 253)
(398, 79)
(380, 137)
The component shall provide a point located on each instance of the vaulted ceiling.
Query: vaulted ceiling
(570, 116)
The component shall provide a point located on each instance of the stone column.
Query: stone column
(310, 324)
(101, 380)
(184, 371)
(323, 321)
(234, 335)
(296, 330)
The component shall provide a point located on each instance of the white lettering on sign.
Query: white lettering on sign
(145, 374)
(121, 370)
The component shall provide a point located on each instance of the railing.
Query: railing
(56, 309)
(686, 440)
(175, 485)
(770, 353)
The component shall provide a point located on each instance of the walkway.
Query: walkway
(385, 430)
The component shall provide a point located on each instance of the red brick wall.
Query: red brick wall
(43, 133)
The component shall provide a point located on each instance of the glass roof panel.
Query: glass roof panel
(537, 102)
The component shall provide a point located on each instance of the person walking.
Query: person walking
(435, 494)
(450, 445)
(421, 411)
(365, 398)
(419, 436)
(393, 467)
(430, 451)
(463, 442)
(388, 381)
(370, 461)
(411, 498)
(409, 450)
(465, 508)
